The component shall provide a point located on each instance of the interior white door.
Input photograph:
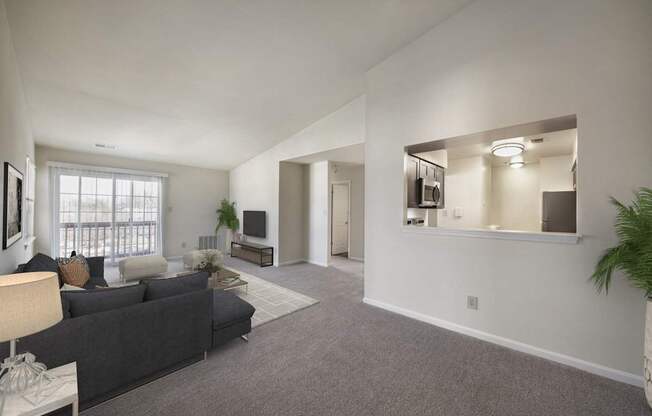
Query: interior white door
(340, 220)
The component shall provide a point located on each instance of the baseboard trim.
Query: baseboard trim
(360, 259)
(289, 262)
(587, 366)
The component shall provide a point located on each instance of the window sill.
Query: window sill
(540, 237)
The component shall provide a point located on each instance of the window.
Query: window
(105, 213)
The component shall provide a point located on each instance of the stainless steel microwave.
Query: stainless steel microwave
(429, 193)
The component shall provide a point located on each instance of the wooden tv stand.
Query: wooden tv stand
(260, 254)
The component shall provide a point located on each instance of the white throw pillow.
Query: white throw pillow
(67, 287)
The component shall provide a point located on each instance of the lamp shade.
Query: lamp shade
(29, 303)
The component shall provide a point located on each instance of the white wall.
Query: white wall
(292, 213)
(318, 221)
(355, 174)
(192, 196)
(516, 198)
(467, 185)
(254, 185)
(501, 63)
(16, 142)
(555, 173)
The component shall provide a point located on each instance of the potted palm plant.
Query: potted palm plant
(227, 217)
(633, 256)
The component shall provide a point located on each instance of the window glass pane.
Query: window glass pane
(151, 189)
(139, 188)
(68, 203)
(122, 204)
(104, 186)
(139, 204)
(87, 217)
(104, 204)
(68, 184)
(104, 217)
(122, 216)
(89, 185)
(151, 204)
(87, 203)
(122, 187)
(138, 216)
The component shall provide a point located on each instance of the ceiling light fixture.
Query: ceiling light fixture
(508, 147)
(516, 162)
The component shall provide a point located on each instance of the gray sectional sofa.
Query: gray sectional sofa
(125, 337)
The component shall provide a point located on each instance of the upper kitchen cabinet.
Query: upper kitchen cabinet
(425, 183)
(411, 176)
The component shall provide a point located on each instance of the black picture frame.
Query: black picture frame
(12, 206)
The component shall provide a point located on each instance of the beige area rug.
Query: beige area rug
(270, 300)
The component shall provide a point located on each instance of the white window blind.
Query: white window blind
(104, 213)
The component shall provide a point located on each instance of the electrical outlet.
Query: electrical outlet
(183, 245)
(472, 302)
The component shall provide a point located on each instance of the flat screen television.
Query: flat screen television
(253, 223)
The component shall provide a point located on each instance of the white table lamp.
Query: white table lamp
(29, 303)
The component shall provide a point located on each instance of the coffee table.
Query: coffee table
(226, 279)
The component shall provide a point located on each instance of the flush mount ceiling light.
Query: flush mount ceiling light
(516, 162)
(508, 147)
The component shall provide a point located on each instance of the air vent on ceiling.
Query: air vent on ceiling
(105, 146)
(539, 140)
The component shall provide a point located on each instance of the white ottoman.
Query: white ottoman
(134, 268)
(193, 259)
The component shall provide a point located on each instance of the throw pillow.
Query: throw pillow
(166, 287)
(66, 286)
(94, 301)
(41, 263)
(74, 270)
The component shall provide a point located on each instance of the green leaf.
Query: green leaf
(633, 255)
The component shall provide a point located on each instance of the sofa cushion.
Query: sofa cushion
(65, 307)
(228, 309)
(166, 287)
(93, 301)
(41, 263)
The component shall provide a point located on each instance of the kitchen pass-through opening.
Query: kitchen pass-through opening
(521, 178)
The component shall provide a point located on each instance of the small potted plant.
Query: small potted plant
(633, 256)
(211, 261)
(228, 217)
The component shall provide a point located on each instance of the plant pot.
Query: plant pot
(647, 359)
(228, 237)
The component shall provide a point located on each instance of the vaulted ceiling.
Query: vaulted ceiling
(206, 83)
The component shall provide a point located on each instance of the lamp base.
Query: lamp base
(20, 372)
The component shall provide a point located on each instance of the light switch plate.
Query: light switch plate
(472, 302)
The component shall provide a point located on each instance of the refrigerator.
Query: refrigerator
(559, 212)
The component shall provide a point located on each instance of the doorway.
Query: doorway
(340, 218)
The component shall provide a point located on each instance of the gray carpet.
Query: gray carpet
(342, 357)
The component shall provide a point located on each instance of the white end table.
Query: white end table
(17, 405)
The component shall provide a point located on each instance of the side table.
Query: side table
(18, 405)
